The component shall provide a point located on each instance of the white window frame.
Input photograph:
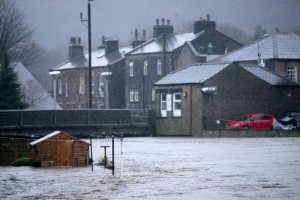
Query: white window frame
(176, 102)
(292, 73)
(158, 63)
(131, 64)
(59, 86)
(66, 88)
(153, 94)
(163, 105)
(93, 83)
(131, 96)
(136, 95)
(145, 67)
(81, 85)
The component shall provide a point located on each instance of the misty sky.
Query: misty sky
(55, 21)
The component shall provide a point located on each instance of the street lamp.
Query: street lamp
(90, 49)
(106, 74)
(54, 75)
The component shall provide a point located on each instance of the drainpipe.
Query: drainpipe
(164, 54)
(191, 108)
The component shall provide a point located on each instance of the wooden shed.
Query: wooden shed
(59, 149)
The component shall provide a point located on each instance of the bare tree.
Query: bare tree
(14, 31)
(34, 93)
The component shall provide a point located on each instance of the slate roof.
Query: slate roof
(281, 46)
(268, 76)
(173, 41)
(99, 59)
(196, 73)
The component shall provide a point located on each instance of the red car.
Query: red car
(252, 121)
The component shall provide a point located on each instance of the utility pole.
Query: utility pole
(90, 50)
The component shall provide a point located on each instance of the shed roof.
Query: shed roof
(50, 136)
(278, 46)
(99, 59)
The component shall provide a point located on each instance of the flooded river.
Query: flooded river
(170, 168)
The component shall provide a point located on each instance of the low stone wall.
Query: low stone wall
(249, 133)
(12, 149)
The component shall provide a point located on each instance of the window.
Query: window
(131, 96)
(158, 66)
(66, 88)
(59, 86)
(292, 73)
(131, 68)
(210, 48)
(81, 85)
(93, 83)
(153, 95)
(163, 105)
(136, 95)
(177, 104)
(145, 67)
(101, 86)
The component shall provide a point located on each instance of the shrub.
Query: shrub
(21, 162)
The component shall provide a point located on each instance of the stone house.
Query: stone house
(278, 52)
(195, 98)
(72, 84)
(166, 52)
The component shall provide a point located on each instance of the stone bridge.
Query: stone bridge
(80, 123)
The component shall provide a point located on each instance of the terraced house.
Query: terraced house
(166, 52)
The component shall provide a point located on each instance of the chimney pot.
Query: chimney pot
(136, 34)
(79, 41)
(144, 35)
(157, 22)
(168, 22)
(163, 21)
(208, 17)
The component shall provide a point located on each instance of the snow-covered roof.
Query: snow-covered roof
(281, 46)
(172, 41)
(50, 136)
(196, 73)
(35, 94)
(268, 76)
(99, 59)
(44, 138)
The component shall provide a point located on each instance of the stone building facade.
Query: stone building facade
(167, 52)
(72, 84)
(197, 97)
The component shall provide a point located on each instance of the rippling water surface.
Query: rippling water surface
(170, 168)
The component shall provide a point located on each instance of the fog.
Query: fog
(55, 21)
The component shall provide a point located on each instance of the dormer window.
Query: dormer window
(210, 48)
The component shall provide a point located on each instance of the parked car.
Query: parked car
(252, 121)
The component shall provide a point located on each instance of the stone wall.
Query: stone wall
(12, 149)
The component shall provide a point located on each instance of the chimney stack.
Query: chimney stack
(203, 24)
(75, 48)
(163, 28)
(136, 42)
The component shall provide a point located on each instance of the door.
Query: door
(62, 153)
